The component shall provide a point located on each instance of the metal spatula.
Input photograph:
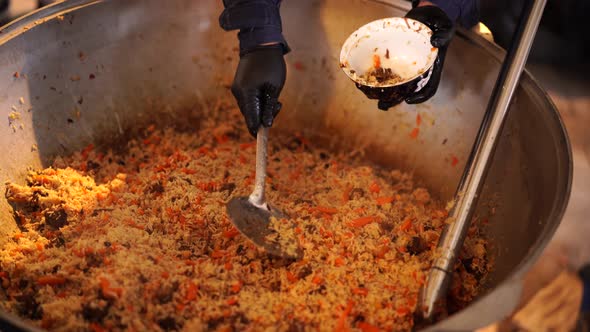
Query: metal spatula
(252, 215)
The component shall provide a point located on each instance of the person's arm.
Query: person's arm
(261, 73)
(258, 21)
(464, 12)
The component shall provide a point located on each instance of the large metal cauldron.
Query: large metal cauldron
(110, 66)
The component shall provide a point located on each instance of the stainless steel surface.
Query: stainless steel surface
(173, 72)
(452, 239)
(257, 197)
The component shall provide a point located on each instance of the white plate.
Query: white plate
(401, 44)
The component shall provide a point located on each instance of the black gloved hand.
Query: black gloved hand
(443, 31)
(259, 80)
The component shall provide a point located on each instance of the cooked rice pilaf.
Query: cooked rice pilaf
(140, 240)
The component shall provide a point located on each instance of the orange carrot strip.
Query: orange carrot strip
(51, 280)
(339, 261)
(291, 277)
(191, 292)
(346, 194)
(341, 325)
(414, 133)
(374, 188)
(231, 233)
(418, 120)
(133, 224)
(317, 280)
(406, 225)
(188, 171)
(96, 328)
(235, 288)
(87, 150)
(245, 146)
(363, 221)
(109, 291)
(101, 196)
(112, 292)
(376, 61)
(325, 233)
(104, 283)
(360, 210)
(360, 291)
(385, 200)
(217, 254)
(380, 253)
(366, 327)
(221, 139)
(402, 311)
(232, 301)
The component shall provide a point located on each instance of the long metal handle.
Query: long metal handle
(435, 290)
(257, 197)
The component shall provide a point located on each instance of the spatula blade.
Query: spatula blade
(255, 223)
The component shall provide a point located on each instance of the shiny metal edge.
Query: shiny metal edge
(40, 16)
(532, 86)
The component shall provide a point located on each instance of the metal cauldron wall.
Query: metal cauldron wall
(133, 61)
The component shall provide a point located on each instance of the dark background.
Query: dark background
(562, 38)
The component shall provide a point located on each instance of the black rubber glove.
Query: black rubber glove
(443, 31)
(259, 80)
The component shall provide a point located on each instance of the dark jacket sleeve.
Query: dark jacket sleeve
(258, 22)
(465, 12)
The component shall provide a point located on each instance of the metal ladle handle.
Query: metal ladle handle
(451, 241)
(257, 196)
